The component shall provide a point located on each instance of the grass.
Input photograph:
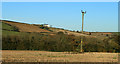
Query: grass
(40, 54)
(7, 27)
(8, 31)
(57, 56)
(100, 57)
(114, 58)
(119, 54)
(46, 56)
(5, 32)
(26, 27)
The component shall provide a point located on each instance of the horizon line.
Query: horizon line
(53, 26)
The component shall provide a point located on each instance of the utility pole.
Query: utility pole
(83, 12)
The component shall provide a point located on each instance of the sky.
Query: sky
(100, 16)
(60, 0)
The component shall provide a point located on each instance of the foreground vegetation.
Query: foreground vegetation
(58, 42)
(47, 56)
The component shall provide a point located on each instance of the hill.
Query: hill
(22, 27)
(22, 36)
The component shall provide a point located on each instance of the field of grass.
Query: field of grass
(46, 56)
(26, 27)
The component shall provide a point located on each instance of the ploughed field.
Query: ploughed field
(46, 56)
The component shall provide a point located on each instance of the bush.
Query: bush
(59, 43)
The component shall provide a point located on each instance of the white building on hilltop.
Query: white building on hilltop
(46, 25)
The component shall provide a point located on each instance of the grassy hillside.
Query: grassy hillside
(25, 27)
(21, 36)
(7, 27)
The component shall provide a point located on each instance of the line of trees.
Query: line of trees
(59, 43)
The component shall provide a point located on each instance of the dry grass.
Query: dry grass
(45, 56)
(26, 27)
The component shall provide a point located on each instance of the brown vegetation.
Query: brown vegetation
(26, 27)
(45, 56)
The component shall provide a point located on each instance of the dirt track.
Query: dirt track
(45, 56)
